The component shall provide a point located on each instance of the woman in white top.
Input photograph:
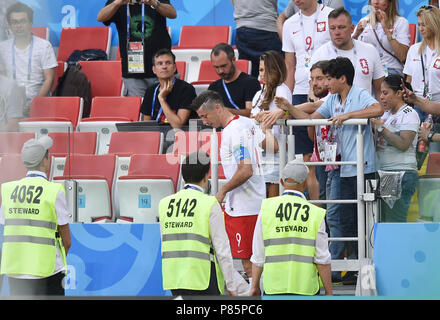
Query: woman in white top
(273, 74)
(396, 146)
(385, 29)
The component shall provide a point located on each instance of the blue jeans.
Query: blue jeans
(334, 214)
(399, 212)
(349, 212)
(252, 43)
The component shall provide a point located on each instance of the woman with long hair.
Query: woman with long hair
(422, 65)
(273, 73)
(396, 147)
(385, 29)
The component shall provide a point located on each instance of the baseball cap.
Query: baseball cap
(34, 150)
(295, 170)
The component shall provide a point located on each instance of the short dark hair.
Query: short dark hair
(223, 47)
(161, 52)
(20, 7)
(207, 99)
(339, 67)
(337, 12)
(195, 167)
(323, 65)
(394, 82)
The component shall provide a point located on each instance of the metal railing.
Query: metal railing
(289, 154)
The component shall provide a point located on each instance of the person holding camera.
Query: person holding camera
(143, 35)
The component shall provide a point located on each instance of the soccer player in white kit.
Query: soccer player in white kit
(240, 153)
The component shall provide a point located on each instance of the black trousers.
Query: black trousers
(50, 286)
(212, 289)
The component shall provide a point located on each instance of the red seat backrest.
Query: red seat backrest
(128, 143)
(123, 107)
(80, 142)
(12, 142)
(144, 165)
(56, 107)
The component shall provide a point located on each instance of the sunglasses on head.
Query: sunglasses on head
(427, 7)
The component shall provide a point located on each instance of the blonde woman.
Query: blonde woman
(385, 29)
(422, 65)
(272, 71)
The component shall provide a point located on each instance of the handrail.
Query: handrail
(290, 139)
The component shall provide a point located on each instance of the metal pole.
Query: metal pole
(360, 192)
(214, 162)
(282, 151)
(291, 145)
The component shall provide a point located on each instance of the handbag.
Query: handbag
(380, 43)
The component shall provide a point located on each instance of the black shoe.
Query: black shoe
(350, 278)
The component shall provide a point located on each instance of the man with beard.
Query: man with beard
(235, 87)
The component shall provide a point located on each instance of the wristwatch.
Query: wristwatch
(379, 129)
(430, 136)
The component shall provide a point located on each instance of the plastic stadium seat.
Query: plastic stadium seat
(52, 114)
(125, 144)
(11, 168)
(203, 37)
(428, 192)
(149, 179)
(59, 71)
(181, 69)
(94, 175)
(413, 31)
(42, 32)
(105, 113)
(82, 38)
(105, 77)
(69, 143)
(12, 142)
(186, 142)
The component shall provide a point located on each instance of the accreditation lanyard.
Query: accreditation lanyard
(426, 66)
(35, 175)
(229, 95)
(153, 103)
(192, 187)
(292, 193)
(128, 22)
(14, 66)
(315, 26)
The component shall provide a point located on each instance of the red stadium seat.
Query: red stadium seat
(82, 38)
(12, 142)
(53, 114)
(69, 143)
(59, 71)
(203, 37)
(150, 178)
(105, 113)
(413, 30)
(105, 77)
(181, 69)
(129, 143)
(94, 175)
(72, 143)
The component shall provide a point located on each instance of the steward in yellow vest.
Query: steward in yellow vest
(196, 257)
(36, 233)
(290, 242)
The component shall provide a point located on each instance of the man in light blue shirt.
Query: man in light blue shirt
(346, 102)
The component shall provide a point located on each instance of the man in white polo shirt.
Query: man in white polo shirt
(369, 71)
(303, 34)
(240, 154)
